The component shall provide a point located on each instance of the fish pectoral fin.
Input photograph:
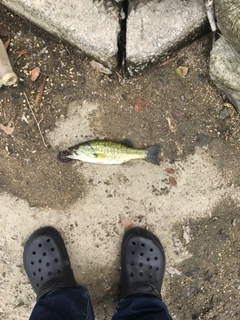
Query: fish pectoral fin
(100, 155)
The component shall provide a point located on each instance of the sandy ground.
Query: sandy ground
(191, 201)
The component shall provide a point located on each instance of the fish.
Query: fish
(108, 152)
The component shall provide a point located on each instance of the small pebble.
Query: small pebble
(201, 77)
(223, 114)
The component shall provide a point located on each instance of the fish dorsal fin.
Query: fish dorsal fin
(128, 143)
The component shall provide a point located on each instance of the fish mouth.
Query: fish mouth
(63, 156)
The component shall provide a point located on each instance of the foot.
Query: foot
(142, 264)
(46, 262)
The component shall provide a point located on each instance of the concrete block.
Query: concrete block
(157, 28)
(90, 25)
(228, 20)
(224, 69)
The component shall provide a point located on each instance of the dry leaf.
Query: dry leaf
(126, 223)
(35, 73)
(170, 170)
(179, 115)
(172, 181)
(182, 71)
(139, 105)
(6, 44)
(4, 33)
(8, 129)
(21, 53)
(99, 67)
(231, 110)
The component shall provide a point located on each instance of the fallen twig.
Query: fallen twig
(120, 78)
(37, 122)
(167, 61)
(173, 129)
(221, 36)
(40, 93)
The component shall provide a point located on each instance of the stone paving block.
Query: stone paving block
(224, 70)
(90, 25)
(157, 28)
(228, 20)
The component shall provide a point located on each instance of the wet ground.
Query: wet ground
(180, 114)
(208, 286)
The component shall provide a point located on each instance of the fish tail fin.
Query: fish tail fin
(153, 154)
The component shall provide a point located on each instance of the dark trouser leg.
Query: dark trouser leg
(141, 308)
(64, 304)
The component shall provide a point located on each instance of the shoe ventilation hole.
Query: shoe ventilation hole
(141, 274)
(41, 278)
(150, 267)
(148, 259)
(140, 264)
(48, 264)
(48, 240)
(37, 284)
(49, 273)
(44, 254)
(34, 253)
(156, 258)
(40, 245)
(157, 268)
(40, 261)
(156, 280)
(141, 254)
(133, 252)
(56, 260)
(32, 263)
(150, 275)
(142, 245)
(59, 270)
(151, 250)
(52, 249)
(131, 274)
(34, 274)
(132, 263)
(133, 243)
(39, 270)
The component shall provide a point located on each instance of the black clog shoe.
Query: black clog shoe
(142, 264)
(46, 262)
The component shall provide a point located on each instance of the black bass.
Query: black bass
(108, 152)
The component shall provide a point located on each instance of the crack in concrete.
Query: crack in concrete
(121, 54)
